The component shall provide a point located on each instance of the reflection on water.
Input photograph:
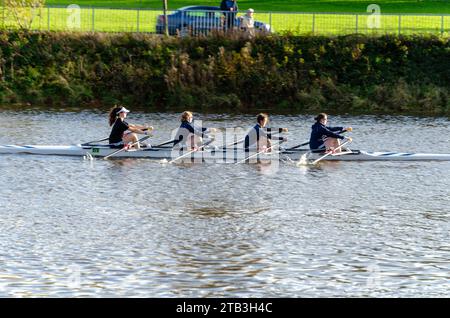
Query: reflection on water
(139, 228)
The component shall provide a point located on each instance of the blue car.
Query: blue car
(194, 20)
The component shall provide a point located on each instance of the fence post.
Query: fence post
(314, 23)
(399, 24)
(270, 21)
(182, 29)
(138, 10)
(3, 14)
(93, 18)
(40, 19)
(48, 19)
(356, 23)
(166, 19)
(442, 24)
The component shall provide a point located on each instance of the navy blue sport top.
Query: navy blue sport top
(185, 129)
(320, 132)
(254, 135)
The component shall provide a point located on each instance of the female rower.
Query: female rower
(259, 139)
(324, 137)
(123, 133)
(188, 135)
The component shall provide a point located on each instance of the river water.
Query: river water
(136, 228)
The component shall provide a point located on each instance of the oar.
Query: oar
(127, 146)
(165, 143)
(104, 139)
(243, 139)
(331, 152)
(90, 142)
(232, 144)
(188, 153)
(280, 130)
(301, 145)
(256, 154)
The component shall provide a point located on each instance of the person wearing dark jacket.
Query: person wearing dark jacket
(229, 8)
(324, 137)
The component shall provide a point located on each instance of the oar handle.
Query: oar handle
(330, 152)
(256, 154)
(192, 151)
(126, 147)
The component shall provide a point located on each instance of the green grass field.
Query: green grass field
(144, 20)
(387, 6)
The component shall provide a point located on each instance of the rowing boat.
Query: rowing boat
(217, 155)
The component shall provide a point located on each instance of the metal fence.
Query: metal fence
(92, 19)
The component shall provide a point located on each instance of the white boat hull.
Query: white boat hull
(228, 155)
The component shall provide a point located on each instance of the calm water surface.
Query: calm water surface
(137, 228)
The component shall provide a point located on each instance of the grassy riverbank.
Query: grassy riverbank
(145, 20)
(360, 6)
(357, 74)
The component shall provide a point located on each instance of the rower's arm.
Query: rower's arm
(141, 127)
(269, 134)
(136, 130)
(199, 132)
(336, 129)
(331, 134)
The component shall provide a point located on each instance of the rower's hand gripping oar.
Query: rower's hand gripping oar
(126, 147)
(349, 140)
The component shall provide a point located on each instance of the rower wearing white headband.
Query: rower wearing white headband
(123, 133)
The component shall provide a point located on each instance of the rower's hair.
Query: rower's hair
(261, 117)
(185, 115)
(320, 117)
(113, 114)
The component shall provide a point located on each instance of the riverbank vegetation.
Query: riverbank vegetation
(342, 74)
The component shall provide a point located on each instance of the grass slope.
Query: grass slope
(387, 6)
(134, 20)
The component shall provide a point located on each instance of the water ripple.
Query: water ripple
(136, 228)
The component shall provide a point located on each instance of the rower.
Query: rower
(188, 136)
(123, 133)
(325, 138)
(258, 138)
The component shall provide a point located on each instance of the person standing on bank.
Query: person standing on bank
(325, 138)
(248, 23)
(123, 133)
(229, 8)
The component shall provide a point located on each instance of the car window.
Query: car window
(196, 14)
(204, 14)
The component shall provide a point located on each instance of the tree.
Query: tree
(24, 11)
